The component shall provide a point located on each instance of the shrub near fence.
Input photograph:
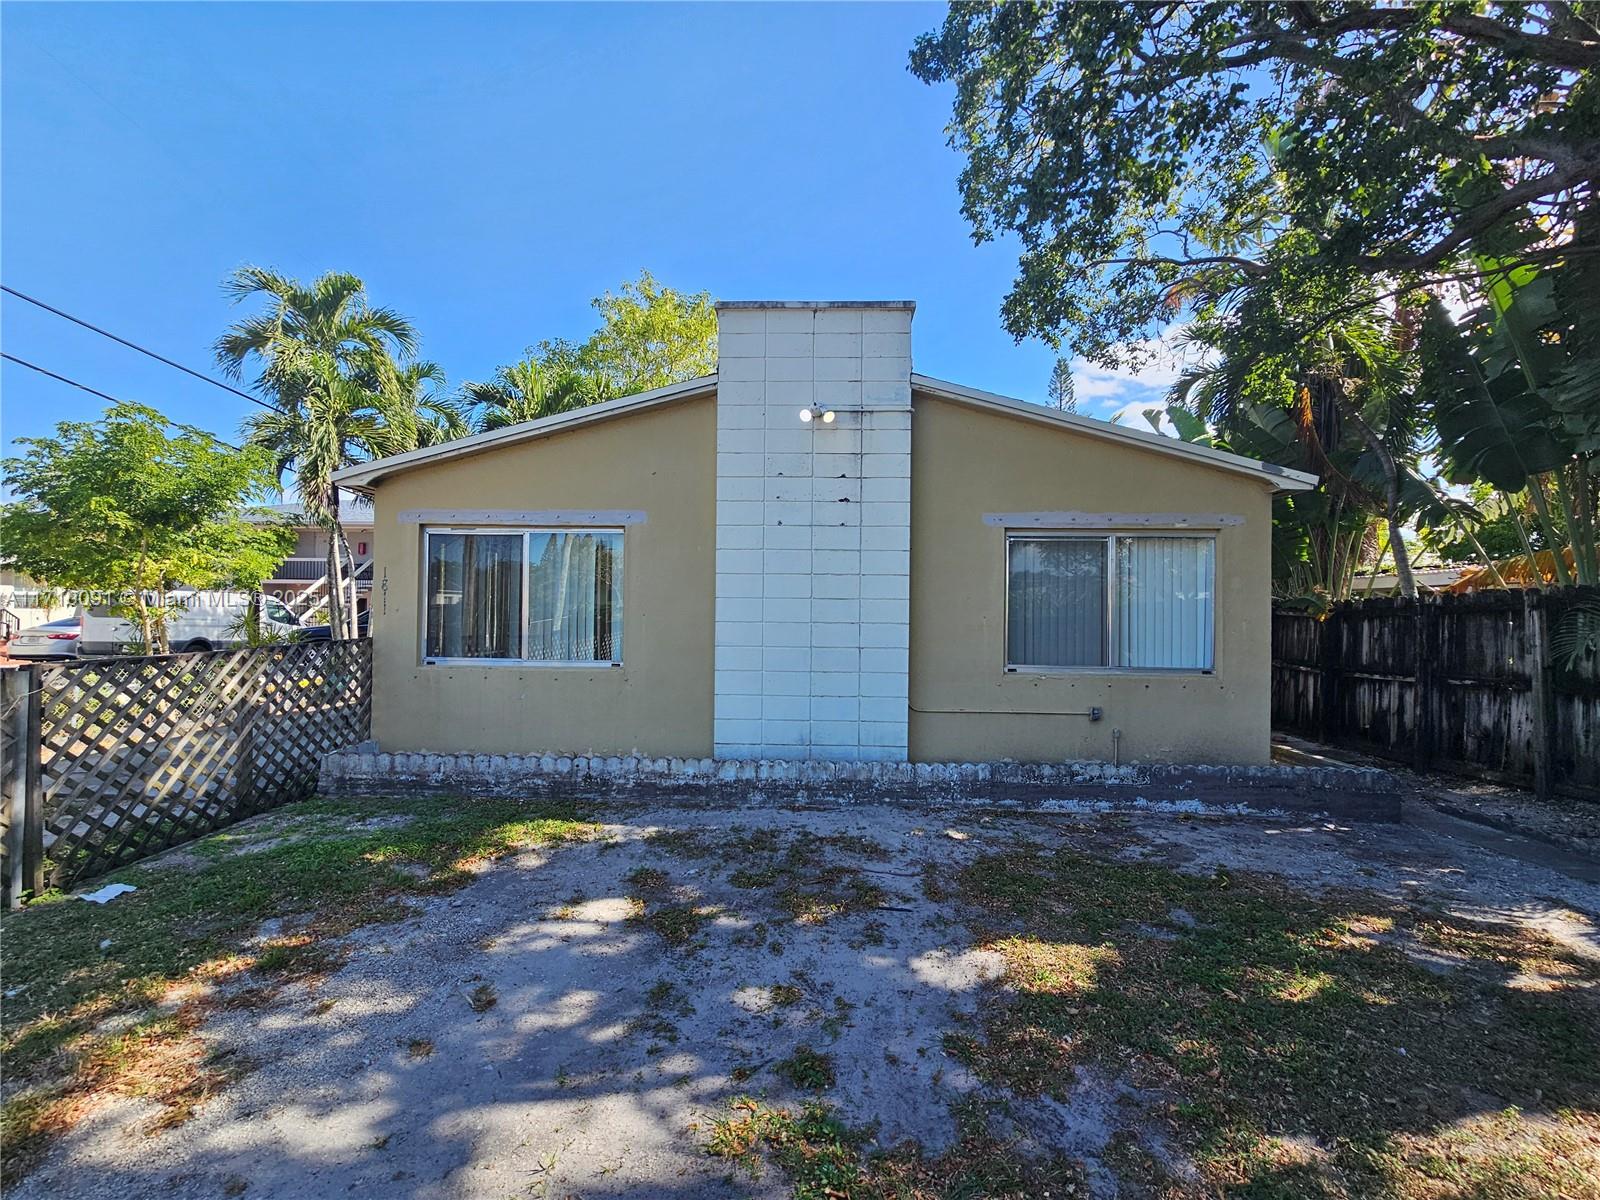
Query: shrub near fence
(113, 760)
(1454, 682)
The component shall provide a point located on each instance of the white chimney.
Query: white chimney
(813, 529)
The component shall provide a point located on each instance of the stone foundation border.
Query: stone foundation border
(1356, 793)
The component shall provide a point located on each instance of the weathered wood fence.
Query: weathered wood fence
(108, 761)
(1451, 682)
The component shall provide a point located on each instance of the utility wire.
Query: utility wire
(83, 387)
(11, 291)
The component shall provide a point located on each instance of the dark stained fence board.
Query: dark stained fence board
(1353, 678)
(14, 686)
(139, 754)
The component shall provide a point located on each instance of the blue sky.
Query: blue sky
(487, 169)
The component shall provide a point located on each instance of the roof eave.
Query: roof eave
(1281, 479)
(362, 477)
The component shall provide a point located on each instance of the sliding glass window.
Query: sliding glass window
(1134, 602)
(539, 596)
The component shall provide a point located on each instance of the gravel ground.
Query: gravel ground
(606, 1048)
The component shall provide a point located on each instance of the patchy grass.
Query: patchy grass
(810, 876)
(807, 1070)
(824, 1159)
(648, 879)
(657, 907)
(662, 1002)
(80, 1021)
(678, 924)
(1307, 1053)
(684, 843)
(785, 995)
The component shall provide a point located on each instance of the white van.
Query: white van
(207, 620)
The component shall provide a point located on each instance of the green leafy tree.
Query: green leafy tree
(331, 364)
(1304, 181)
(1352, 392)
(1146, 154)
(650, 336)
(133, 505)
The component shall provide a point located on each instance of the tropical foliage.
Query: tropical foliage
(337, 371)
(649, 336)
(132, 506)
(1315, 189)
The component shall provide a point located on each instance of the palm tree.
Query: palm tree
(328, 363)
(438, 416)
(550, 380)
(1350, 399)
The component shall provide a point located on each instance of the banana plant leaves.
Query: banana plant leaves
(1492, 423)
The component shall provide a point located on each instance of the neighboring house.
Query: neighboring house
(816, 553)
(301, 580)
(1433, 579)
(25, 603)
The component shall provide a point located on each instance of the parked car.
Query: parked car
(52, 640)
(204, 621)
(323, 633)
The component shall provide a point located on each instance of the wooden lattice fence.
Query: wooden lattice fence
(132, 755)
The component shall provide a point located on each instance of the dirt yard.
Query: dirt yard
(453, 999)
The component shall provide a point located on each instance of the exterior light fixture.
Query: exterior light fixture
(828, 417)
(806, 414)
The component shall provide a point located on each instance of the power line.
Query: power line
(11, 291)
(84, 387)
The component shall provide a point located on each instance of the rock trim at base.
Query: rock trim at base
(1354, 793)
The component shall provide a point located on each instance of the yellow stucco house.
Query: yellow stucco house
(817, 553)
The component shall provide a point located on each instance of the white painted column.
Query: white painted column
(813, 530)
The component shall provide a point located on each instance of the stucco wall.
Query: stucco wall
(659, 701)
(966, 463)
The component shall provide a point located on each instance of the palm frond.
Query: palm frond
(1577, 634)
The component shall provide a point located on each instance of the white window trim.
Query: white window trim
(518, 664)
(1113, 614)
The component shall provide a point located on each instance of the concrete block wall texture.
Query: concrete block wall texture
(813, 531)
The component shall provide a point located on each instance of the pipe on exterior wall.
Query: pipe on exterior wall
(1094, 714)
(1116, 747)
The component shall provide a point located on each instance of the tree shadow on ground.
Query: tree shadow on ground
(547, 1031)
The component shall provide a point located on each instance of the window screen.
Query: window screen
(574, 596)
(572, 610)
(1156, 610)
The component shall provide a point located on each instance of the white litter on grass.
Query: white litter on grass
(108, 893)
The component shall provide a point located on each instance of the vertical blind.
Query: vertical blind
(1056, 602)
(1164, 602)
(1157, 613)
(574, 603)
